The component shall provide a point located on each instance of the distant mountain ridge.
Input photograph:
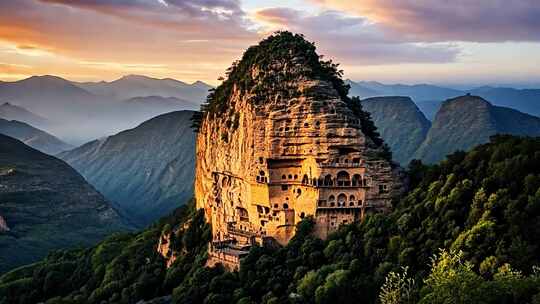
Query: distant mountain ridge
(79, 112)
(460, 124)
(33, 137)
(9, 111)
(429, 97)
(146, 171)
(141, 86)
(46, 205)
(467, 121)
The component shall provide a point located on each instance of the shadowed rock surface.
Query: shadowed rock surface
(147, 171)
(466, 121)
(400, 123)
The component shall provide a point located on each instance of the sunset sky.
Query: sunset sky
(407, 41)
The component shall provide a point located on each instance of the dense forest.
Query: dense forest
(468, 231)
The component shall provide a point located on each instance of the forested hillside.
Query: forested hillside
(468, 231)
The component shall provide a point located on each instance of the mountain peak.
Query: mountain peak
(199, 83)
(134, 78)
(468, 99)
(47, 78)
(279, 63)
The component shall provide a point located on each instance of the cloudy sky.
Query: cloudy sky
(407, 41)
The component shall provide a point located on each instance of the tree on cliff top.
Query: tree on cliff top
(272, 67)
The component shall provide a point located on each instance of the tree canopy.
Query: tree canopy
(467, 232)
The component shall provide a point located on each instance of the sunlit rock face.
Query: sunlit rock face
(295, 150)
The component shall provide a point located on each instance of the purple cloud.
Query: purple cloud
(443, 20)
(355, 40)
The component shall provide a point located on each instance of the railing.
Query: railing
(340, 207)
(342, 186)
(341, 165)
(241, 232)
(356, 206)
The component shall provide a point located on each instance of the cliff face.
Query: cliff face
(283, 150)
(401, 124)
(46, 205)
(467, 121)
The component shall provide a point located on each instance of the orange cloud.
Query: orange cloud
(175, 37)
(443, 20)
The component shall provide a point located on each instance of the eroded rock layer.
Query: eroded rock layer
(262, 166)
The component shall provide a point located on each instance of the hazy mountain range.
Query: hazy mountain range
(429, 98)
(33, 137)
(79, 112)
(45, 204)
(460, 124)
(13, 112)
(136, 85)
(147, 171)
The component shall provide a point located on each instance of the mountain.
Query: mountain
(524, 100)
(429, 108)
(146, 171)
(159, 104)
(466, 121)
(361, 91)
(140, 86)
(400, 123)
(468, 228)
(416, 92)
(429, 97)
(79, 112)
(43, 94)
(46, 205)
(73, 112)
(9, 111)
(33, 137)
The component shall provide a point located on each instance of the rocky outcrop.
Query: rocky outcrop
(146, 171)
(401, 124)
(282, 151)
(164, 248)
(3, 225)
(47, 205)
(467, 121)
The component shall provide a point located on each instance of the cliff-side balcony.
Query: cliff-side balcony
(343, 186)
(341, 165)
(235, 231)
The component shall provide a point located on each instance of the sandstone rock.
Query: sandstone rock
(270, 161)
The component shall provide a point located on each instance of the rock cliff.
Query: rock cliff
(467, 121)
(280, 140)
(401, 124)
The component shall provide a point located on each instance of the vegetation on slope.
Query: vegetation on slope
(124, 268)
(47, 205)
(273, 68)
(146, 171)
(481, 208)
